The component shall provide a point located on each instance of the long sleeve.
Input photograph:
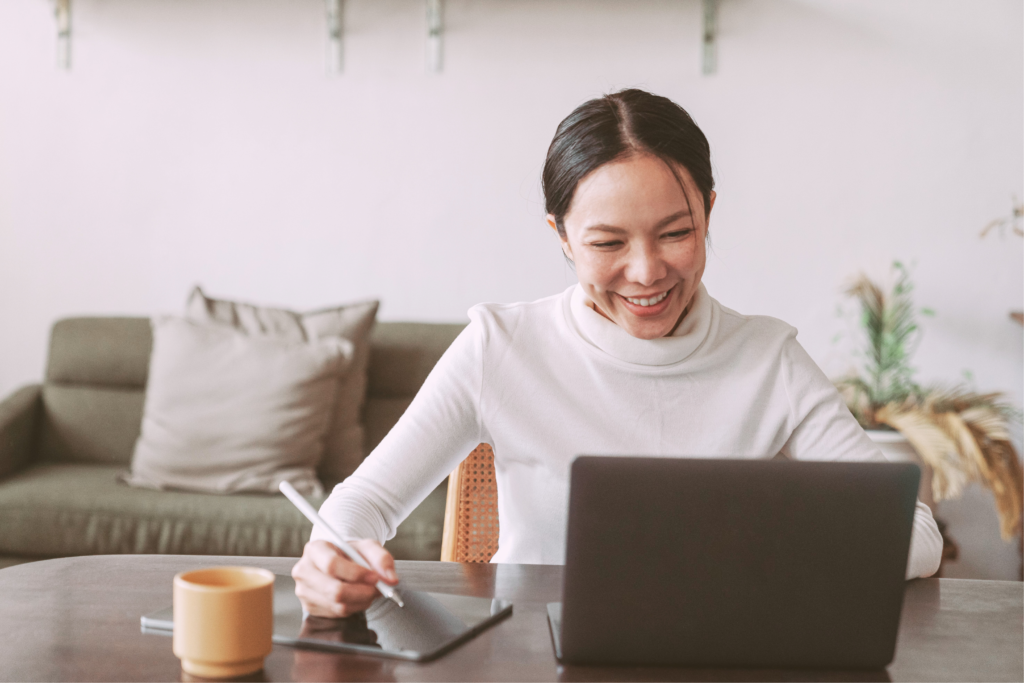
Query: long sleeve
(825, 430)
(547, 380)
(438, 430)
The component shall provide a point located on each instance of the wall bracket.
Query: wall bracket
(62, 12)
(435, 31)
(335, 31)
(709, 60)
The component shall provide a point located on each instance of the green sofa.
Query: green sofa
(62, 444)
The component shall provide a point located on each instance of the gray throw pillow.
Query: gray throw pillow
(229, 412)
(343, 449)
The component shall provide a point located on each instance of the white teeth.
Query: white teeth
(648, 302)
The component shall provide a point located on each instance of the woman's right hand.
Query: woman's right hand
(328, 584)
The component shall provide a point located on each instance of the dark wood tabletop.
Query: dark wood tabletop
(77, 619)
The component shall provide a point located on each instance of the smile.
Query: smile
(647, 302)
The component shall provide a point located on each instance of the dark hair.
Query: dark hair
(616, 126)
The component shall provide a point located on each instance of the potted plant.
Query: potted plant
(957, 435)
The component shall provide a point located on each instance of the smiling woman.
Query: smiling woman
(628, 186)
(635, 359)
(637, 246)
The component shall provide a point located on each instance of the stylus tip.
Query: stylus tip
(397, 598)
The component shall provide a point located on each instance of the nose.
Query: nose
(645, 266)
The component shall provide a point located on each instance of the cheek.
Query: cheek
(689, 256)
(597, 269)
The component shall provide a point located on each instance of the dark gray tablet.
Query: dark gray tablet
(429, 625)
(738, 563)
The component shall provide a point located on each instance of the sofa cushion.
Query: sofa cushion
(403, 354)
(61, 509)
(19, 414)
(83, 423)
(95, 381)
(81, 509)
(401, 357)
(343, 448)
(103, 352)
(380, 416)
(98, 367)
(229, 412)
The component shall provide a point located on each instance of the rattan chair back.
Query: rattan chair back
(471, 511)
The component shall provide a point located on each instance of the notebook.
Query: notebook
(735, 563)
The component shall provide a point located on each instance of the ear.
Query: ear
(707, 221)
(566, 249)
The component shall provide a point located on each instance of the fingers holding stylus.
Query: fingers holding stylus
(330, 585)
(331, 561)
(378, 558)
(349, 551)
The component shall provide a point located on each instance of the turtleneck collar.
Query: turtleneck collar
(604, 335)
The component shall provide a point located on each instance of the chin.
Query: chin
(649, 330)
(653, 327)
(645, 335)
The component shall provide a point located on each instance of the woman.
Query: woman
(635, 359)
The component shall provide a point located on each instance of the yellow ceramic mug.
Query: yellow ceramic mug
(223, 620)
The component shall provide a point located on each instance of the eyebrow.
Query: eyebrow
(667, 220)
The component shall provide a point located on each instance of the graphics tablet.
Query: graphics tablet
(429, 625)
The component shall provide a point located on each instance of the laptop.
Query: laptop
(734, 563)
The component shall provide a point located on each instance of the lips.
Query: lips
(647, 301)
(649, 306)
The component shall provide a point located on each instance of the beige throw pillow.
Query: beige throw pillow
(229, 412)
(343, 450)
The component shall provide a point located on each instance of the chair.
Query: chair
(471, 510)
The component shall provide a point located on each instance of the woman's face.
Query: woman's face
(637, 243)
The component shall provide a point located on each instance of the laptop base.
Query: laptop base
(555, 622)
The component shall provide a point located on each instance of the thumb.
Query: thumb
(381, 560)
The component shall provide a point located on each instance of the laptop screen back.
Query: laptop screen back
(736, 562)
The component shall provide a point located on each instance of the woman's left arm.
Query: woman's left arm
(826, 430)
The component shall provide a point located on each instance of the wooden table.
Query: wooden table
(77, 619)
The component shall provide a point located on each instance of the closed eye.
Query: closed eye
(678, 234)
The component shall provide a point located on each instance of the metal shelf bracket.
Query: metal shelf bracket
(709, 61)
(62, 12)
(435, 31)
(335, 30)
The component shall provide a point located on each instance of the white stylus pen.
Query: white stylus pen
(305, 508)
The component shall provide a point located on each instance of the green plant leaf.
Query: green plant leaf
(891, 332)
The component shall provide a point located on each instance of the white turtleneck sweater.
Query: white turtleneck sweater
(545, 381)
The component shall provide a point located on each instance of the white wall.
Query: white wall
(201, 141)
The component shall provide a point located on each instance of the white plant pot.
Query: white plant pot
(896, 448)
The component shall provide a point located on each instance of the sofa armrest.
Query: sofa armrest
(18, 415)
